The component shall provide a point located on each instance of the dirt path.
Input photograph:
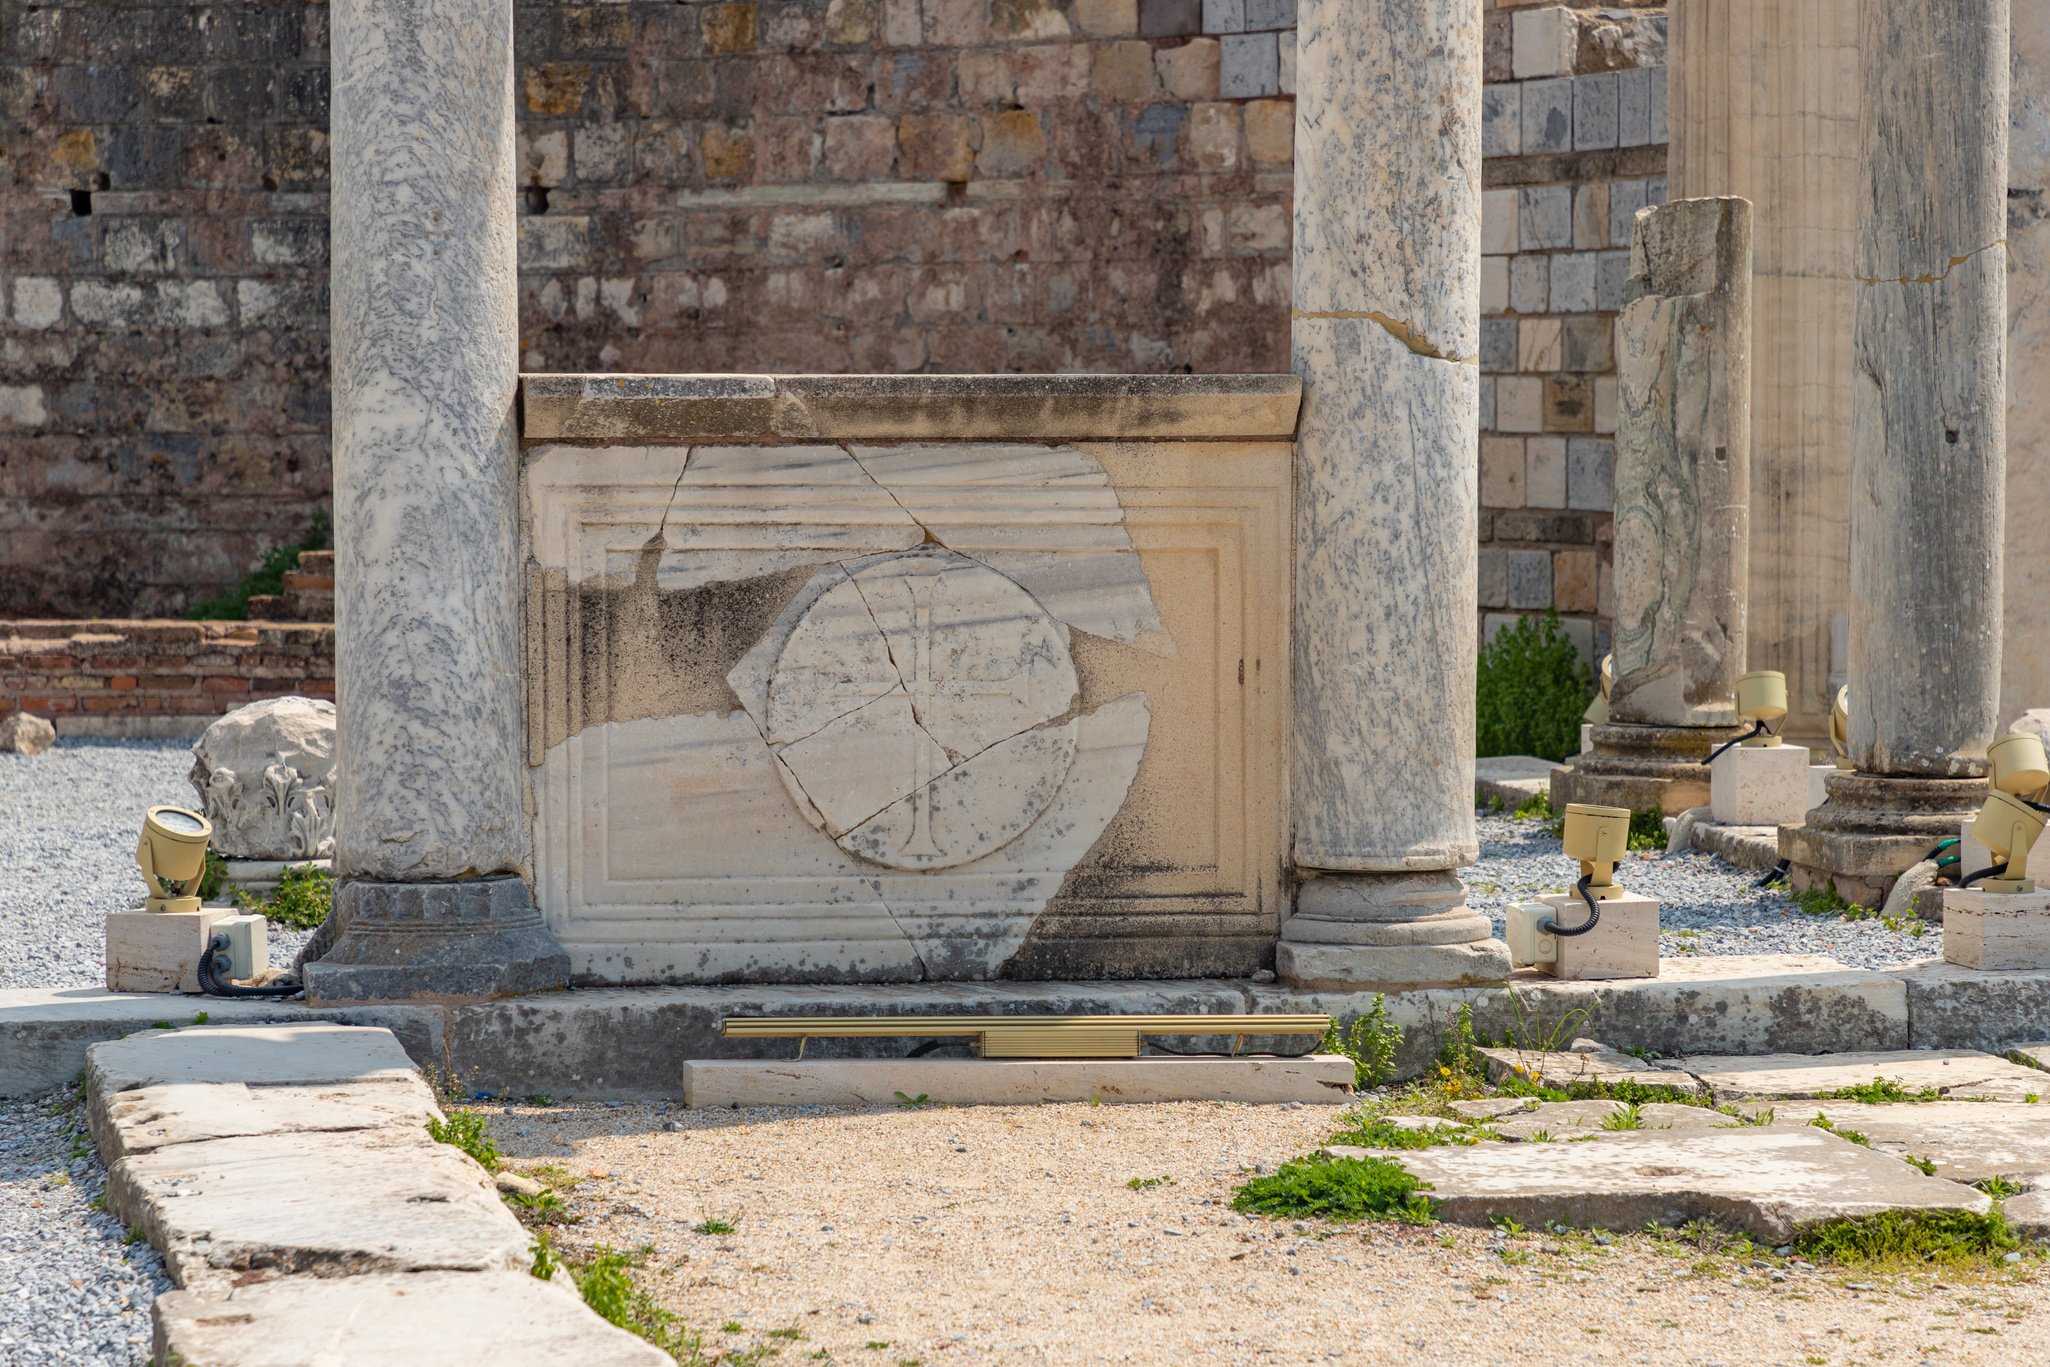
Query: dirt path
(1014, 1235)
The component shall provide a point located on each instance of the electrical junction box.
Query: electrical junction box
(1527, 943)
(248, 952)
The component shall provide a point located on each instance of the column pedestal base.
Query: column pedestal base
(1872, 830)
(1371, 932)
(431, 942)
(1637, 766)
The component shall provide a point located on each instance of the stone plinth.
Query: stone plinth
(1760, 785)
(158, 951)
(431, 825)
(932, 709)
(1994, 930)
(1874, 829)
(1623, 944)
(1642, 766)
(1385, 335)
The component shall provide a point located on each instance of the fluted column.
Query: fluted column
(431, 840)
(1385, 336)
(1928, 441)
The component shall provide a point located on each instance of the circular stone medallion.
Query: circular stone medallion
(910, 711)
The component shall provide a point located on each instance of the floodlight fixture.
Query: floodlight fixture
(1762, 701)
(2017, 765)
(172, 855)
(2007, 826)
(1599, 837)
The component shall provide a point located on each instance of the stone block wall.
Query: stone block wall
(127, 678)
(1574, 131)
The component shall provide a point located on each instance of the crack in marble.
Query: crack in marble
(1394, 327)
(1936, 279)
(910, 940)
(662, 529)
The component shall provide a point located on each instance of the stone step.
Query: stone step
(1964, 1074)
(1770, 1181)
(507, 1319)
(317, 562)
(1015, 1082)
(303, 581)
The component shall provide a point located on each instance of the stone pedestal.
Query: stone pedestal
(1874, 829)
(1929, 444)
(1637, 766)
(1624, 944)
(1996, 931)
(1385, 335)
(430, 825)
(158, 951)
(1760, 785)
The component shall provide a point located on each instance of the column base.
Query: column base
(426, 942)
(1387, 932)
(1638, 766)
(1872, 830)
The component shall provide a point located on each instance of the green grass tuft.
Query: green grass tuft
(1370, 1041)
(1383, 1134)
(468, 1131)
(1880, 1090)
(301, 900)
(1822, 1122)
(604, 1277)
(1338, 1189)
(1907, 1237)
(713, 1225)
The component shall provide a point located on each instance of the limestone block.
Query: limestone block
(1623, 944)
(24, 733)
(157, 1117)
(1993, 930)
(1760, 785)
(158, 951)
(1576, 1119)
(386, 1200)
(509, 1319)
(1016, 1082)
(1954, 1007)
(1769, 1181)
(897, 696)
(305, 1054)
(1960, 1073)
(265, 778)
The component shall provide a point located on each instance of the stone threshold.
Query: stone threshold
(630, 1043)
(675, 409)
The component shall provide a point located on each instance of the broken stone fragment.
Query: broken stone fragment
(25, 733)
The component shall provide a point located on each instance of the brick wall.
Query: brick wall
(1574, 137)
(825, 185)
(116, 678)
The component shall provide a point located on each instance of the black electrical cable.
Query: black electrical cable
(220, 987)
(1773, 874)
(1757, 730)
(1984, 873)
(1594, 912)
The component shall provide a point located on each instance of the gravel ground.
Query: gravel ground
(1706, 906)
(68, 823)
(1010, 1235)
(72, 1293)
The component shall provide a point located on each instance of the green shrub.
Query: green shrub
(1532, 688)
(1338, 1189)
(1647, 829)
(1370, 1042)
(267, 578)
(301, 900)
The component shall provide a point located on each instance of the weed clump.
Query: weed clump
(1328, 1188)
(467, 1130)
(1370, 1041)
(604, 1278)
(301, 900)
(1909, 1237)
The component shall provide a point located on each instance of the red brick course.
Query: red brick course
(102, 675)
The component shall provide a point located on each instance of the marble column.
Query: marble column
(431, 839)
(1928, 443)
(2025, 657)
(1763, 100)
(1385, 336)
(1682, 509)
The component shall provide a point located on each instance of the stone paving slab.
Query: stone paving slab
(1954, 1007)
(506, 1319)
(1968, 1141)
(1960, 1073)
(306, 1054)
(1769, 1181)
(336, 1204)
(147, 1118)
(1585, 1062)
(1564, 1119)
